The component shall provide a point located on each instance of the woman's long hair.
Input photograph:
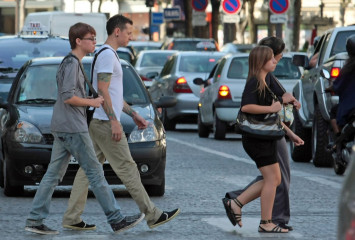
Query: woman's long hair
(258, 57)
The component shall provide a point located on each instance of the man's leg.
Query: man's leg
(120, 159)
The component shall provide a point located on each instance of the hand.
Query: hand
(97, 102)
(288, 97)
(296, 104)
(116, 131)
(275, 107)
(141, 122)
(296, 139)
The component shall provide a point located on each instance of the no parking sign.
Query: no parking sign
(199, 5)
(231, 6)
(278, 6)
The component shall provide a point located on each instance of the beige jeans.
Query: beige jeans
(120, 159)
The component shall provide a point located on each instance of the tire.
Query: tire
(301, 153)
(321, 157)
(339, 169)
(203, 130)
(156, 190)
(10, 190)
(219, 128)
(169, 124)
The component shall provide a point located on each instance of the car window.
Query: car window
(285, 70)
(340, 42)
(154, 59)
(126, 56)
(168, 66)
(219, 70)
(198, 64)
(238, 69)
(207, 45)
(38, 82)
(324, 47)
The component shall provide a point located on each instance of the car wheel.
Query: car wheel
(339, 169)
(169, 124)
(156, 190)
(301, 153)
(321, 157)
(9, 190)
(219, 128)
(203, 130)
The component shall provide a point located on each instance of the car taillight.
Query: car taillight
(350, 233)
(334, 73)
(170, 47)
(181, 86)
(144, 78)
(224, 92)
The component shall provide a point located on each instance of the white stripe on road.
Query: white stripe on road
(316, 179)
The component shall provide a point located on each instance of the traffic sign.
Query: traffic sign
(199, 5)
(157, 18)
(199, 18)
(172, 13)
(278, 6)
(231, 6)
(278, 18)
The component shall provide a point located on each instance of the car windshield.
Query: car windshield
(155, 59)
(286, 70)
(238, 68)
(197, 63)
(14, 52)
(339, 43)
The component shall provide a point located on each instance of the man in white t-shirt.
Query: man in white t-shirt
(105, 129)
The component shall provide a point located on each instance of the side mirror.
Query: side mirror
(198, 81)
(300, 60)
(324, 73)
(166, 102)
(152, 75)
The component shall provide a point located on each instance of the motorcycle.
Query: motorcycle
(341, 145)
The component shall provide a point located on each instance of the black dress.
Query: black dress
(262, 151)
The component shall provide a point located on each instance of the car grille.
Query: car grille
(48, 138)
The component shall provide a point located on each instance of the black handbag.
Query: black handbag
(269, 127)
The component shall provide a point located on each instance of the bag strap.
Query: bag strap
(278, 83)
(273, 95)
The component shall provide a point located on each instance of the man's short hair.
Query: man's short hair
(117, 21)
(79, 30)
(276, 44)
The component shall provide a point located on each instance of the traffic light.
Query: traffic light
(149, 3)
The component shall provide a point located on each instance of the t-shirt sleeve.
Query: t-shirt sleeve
(105, 61)
(70, 78)
(250, 93)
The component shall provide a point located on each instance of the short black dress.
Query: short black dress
(262, 151)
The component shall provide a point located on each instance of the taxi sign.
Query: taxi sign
(205, 44)
(33, 28)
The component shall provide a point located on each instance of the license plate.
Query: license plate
(74, 161)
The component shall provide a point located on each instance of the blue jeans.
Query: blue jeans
(80, 146)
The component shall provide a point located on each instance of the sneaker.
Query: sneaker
(41, 229)
(165, 217)
(127, 223)
(81, 226)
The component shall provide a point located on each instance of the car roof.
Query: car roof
(58, 60)
(196, 53)
(157, 51)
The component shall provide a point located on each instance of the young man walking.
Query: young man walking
(71, 137)
(106, 132)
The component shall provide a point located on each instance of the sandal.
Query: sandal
(233, 218)
(276, 229)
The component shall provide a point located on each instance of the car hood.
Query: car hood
(41, 116)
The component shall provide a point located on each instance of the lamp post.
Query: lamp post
(91, 1)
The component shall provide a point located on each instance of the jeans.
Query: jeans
(80, 146)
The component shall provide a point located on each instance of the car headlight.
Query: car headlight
(148, 134)
(27, 133)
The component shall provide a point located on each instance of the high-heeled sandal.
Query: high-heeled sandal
(276, 229)
(233, 217)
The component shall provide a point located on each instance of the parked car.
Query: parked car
(220, 100)
(15, 50)
(144, 45)
(152, 62)
(176, 79)
(237, 48)
(190, 44)
(125, 53)
(26, 139)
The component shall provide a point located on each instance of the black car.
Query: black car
(26, 139)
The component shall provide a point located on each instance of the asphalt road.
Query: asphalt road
(198, 173)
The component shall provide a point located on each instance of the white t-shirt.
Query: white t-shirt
(107, 62)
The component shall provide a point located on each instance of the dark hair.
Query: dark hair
(276, 44)
(117, 21)
(79, 30)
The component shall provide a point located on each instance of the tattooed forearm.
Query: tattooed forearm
(103, 85)
(127, 109)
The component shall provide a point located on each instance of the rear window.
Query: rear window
(155, 59)
(238, 68)
(285, 70)
(197, 64)
(194, 45)
(340, 42)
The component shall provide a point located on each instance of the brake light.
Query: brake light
(144, 78)
(224, 92)
(170, 46)
(181, 86)
(334, 73)
(350, 233)
(211, 60)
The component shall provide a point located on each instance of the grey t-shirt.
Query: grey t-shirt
(70, 81)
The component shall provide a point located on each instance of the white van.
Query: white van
(58, 23)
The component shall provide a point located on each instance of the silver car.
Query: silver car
(152, 62)
(220, 101)
(176, 79)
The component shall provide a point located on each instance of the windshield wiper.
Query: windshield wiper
(37, 101)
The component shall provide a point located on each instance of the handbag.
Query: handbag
(286, 114)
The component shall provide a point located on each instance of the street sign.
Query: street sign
(278, 6)
(231, 18)
(278, 18)
(172, 13)
(199, 18)
(199, 5)
(157, 18)
(231, 6)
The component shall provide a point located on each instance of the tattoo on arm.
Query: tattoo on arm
(107, 106)
(127, 109)
(104, 77)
